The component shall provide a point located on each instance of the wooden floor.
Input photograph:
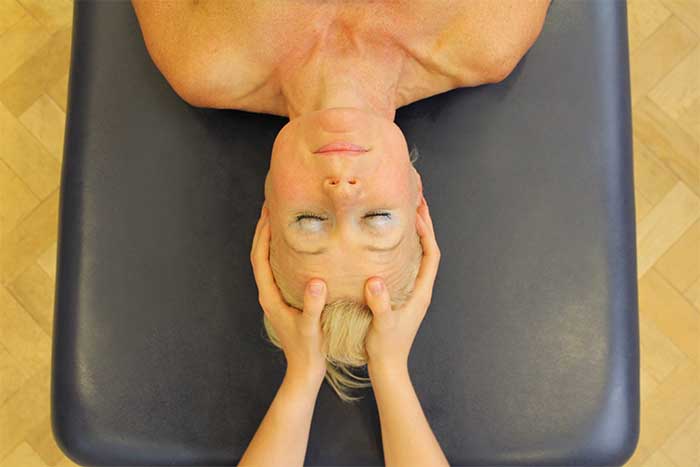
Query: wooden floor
(665, 54)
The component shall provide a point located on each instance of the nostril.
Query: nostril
(336, 181)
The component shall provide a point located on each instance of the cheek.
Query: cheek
(291, 184)
(289, 177)
(393, 180)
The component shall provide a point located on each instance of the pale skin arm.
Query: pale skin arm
(283, 434)
(406, 434)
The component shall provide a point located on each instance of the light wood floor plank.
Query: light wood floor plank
(23, 153)
(671, 313)
(23, 455)
(12, 375)
(47, 261)
(665, 410)
(651, 177)
(683, 446)
(647, 383)
(693, 294)
(658, 54)
(59, 92)
(21, 336)
(29, 239)
(17, 199)
(659, 355)
(41, 439)
(664, 225)
(687, 11)
(38, 74)
(668, 142)
(44, 119)
(681, 263)
(678, 94)
(642, 206)
(23, 411)
(11, 12)
(644, 18)
(34, 289)
(659, 459)
(19, 42)
(54, 14)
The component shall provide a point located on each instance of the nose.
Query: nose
(342, 190)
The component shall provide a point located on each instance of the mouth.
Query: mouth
(342, 147)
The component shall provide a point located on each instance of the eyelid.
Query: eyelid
(381, 214)
(378, 213)
(378, 221)
(309, 215)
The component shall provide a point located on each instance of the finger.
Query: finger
(424, 212)
(256, 235)
(269, 294)
(425, 279)
(314, 301)
(379, 302)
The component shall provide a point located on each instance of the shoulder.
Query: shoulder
(485, 40)
(204, 51)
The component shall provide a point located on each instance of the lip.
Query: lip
(340, 146)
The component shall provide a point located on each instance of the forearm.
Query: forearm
(406, 435)
(282, 437)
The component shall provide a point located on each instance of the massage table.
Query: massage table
(529, 353)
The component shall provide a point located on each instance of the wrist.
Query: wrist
(380, 369)
(306, 378)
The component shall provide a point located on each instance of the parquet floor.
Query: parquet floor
(664, 39)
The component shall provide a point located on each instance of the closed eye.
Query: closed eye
(300, 217)
(303, 216)
(386, 215)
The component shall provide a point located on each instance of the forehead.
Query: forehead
(344, 269)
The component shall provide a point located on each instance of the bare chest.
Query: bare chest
(249, 55)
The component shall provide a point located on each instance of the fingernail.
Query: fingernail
(316, 288)
(376, 287)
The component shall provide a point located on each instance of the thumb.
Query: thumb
(314, 300)
(377, 297)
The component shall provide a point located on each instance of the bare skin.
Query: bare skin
(338, 67)
(288, 58)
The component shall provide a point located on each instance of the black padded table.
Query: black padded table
(529, 353)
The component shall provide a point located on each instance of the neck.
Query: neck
(331, 80)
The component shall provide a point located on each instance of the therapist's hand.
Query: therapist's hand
(392, 331)
(299, 331)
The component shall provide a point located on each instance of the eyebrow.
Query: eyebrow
(323, 250)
